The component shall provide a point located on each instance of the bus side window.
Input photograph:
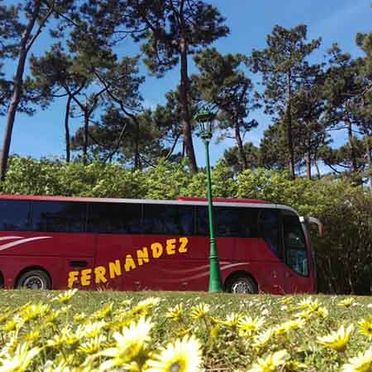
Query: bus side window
(202, 225)
(115, 218)
(58, 216)
(269, 229)
(168, 219)
(295, 245)
(14, 215)
(229, 222)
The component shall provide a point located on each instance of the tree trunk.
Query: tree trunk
(369, 161)
(239, 141)
(308, 159)
(308, 165)
(67, 129)
(351, 145)
(289, 128)
(185, 110)
(317, 168)
(85, 136)
(17, 90)
(136, 148)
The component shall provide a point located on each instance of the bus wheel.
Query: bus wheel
(34, 279)
(241, 284)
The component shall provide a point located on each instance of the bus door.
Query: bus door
(297, 273)
(79, 263)
(270, 253)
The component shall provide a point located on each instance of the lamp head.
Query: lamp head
(205, 121)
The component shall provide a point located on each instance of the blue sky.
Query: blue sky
(249, 21)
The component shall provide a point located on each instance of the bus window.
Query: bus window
(14, 215)
(269, 229)
(168, 219)
(230, 222)
(115, 218)
(294, 240)
(58, 216)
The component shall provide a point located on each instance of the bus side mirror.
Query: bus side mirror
(313, 220)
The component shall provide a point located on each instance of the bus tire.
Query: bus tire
(241, 284)
(34, 279)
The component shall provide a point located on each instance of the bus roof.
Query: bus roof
(224, 200)
(180, 201)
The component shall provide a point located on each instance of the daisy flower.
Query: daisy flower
(21, 359)
(271, 362)
(199, 311)
(337, 340)
(130, 342)
(250, 325)
(365, 327)
(346, 302)
(184, 355)
(65, 296)
(361, 363)
(175, 313)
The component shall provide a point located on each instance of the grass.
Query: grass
(229, 329)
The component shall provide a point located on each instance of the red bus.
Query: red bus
(129, 244)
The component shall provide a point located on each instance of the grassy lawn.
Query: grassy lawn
(49, 331)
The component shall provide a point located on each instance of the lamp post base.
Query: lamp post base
(215, 282)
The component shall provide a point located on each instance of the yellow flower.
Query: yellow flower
(130, 342)
(175, 313)
(337, 340)
(32, 336)
(65, 338)
(199, 311)
(288, 326)
(80, 317)
(250, 325)
(184, 355)
(5, 314)
(232, 320)
(361, 363)
(346, 302)
(214, 331)
(262, 339)
(271, 362)
(103, 312)
(294, 365)
(286, 300)
(311, 306)
(10, 325)
(66, 296)
(90, 330)
(365, 327)
(144, 307)
(92, 346)
(33, 311)
(321, 312)
(308, 303)
(21, 359)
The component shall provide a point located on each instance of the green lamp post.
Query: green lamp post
(205, 121)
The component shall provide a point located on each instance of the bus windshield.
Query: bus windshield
(295, 244)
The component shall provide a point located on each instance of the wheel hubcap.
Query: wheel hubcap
(34, 282)
(241, 286)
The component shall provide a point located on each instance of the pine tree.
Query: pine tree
(171, 30)
(285, 69)
(223, 83)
